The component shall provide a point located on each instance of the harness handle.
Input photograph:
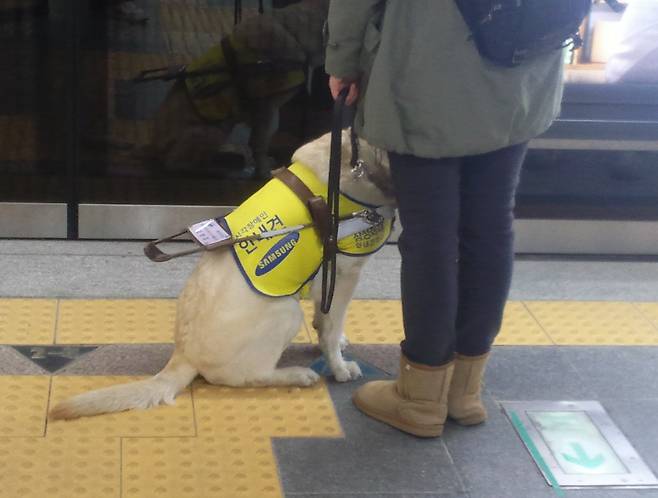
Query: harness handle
(330, 243)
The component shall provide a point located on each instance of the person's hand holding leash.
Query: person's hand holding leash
(337, 84)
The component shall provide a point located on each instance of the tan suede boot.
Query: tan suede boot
(417, 402)
(464, 403)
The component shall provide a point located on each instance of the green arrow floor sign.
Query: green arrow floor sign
(576, 444)
(527, 440)
(582, 458)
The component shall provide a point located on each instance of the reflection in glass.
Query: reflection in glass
(188, 108)
(589, 184)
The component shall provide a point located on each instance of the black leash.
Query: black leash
(333, 195)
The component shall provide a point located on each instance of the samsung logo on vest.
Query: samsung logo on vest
(277, 254)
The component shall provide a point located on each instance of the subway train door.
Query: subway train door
(35, 114)
(100, 137)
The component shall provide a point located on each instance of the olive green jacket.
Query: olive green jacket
(425, 89)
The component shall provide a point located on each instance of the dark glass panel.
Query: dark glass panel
(589, 184)
(34, 60)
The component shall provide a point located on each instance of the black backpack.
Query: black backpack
(510, 32)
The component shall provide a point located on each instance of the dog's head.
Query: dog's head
(305, 22)
(368, 182)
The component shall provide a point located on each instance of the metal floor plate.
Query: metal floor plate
(576, 445)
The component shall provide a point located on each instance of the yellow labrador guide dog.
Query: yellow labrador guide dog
(233, 334)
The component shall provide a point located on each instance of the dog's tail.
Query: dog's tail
(162, 388)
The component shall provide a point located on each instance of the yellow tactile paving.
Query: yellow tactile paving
(271, 411)
(520, 328)
(218, 466)
(77, 467)
(374, 322)
(216, 441)
(302, 336)
(162, 421)
(116, 321)
(156, 452)
(593, 323)
(27, 321)
(23, 404)
(123, 321)
(650, 311)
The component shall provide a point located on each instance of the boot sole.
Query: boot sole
(411, 429)
(472, 420)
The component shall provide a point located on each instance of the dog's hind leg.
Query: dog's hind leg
(330, 326)
(250, 351)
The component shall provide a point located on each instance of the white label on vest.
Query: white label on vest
(352, 226)
(208, 232)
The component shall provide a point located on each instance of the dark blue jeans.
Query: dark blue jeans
(457, 250)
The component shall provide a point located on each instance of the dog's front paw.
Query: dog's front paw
(350, 370)
(304, 377)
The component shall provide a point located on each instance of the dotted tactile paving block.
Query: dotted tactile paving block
(650, 311)
(520, 328)
(161, 421)
(593, 323)
(27, 321)
(267, 411)
(23, 404)
(374, 322)
(79, 467)
(218, 466)
(118, 321)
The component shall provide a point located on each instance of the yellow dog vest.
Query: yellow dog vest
(282, 265)
(215, 95)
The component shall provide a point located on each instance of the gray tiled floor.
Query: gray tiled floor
(492, 460)
(627, 373)
(489, 460)
(373, 458)
(119, 269)
(518, 373)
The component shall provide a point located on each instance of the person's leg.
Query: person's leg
(486, 238)
(428, 202)
(427, 193)
(486, 255)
